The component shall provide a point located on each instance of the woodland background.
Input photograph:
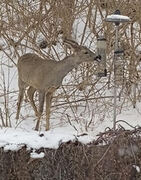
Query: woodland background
(84, 98)
(39, 27)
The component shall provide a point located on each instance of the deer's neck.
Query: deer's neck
(67, 64)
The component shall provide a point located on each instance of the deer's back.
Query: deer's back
(35, 71)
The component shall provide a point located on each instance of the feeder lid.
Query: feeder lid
(117, 18)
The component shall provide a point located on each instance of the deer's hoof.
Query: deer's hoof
(17, 117)
(36, 128)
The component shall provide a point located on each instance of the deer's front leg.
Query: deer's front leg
(48, 106)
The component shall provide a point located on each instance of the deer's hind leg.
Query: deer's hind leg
(30, 93)
(22, 87)
(41, 106)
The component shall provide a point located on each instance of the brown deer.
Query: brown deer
(46, 76)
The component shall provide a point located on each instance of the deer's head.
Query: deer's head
(81, 51)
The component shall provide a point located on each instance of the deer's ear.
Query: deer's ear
(72, 44)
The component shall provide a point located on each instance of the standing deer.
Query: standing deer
(46, 76)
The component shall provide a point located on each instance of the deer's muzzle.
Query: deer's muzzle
(98, 58)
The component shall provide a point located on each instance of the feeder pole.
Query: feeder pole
(116, 18)
(115, 87)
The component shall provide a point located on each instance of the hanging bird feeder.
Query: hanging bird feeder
(119, 66)
(101, 50)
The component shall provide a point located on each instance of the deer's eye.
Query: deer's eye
(86, 52)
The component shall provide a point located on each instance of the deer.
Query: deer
(45, 76)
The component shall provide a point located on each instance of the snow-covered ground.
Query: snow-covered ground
(15, 138)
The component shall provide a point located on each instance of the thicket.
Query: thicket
(39, 27)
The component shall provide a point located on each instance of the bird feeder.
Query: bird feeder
(101, 50)
(119, 66)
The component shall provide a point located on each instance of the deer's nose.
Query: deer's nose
(98, 58)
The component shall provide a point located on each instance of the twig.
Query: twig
(125, 123)
(81, 100)
(3, 124)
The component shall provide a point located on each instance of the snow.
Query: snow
(15, 138)
(11, 138)
(12, 147)
(117, 18)
(137, 168)
(35, 155)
